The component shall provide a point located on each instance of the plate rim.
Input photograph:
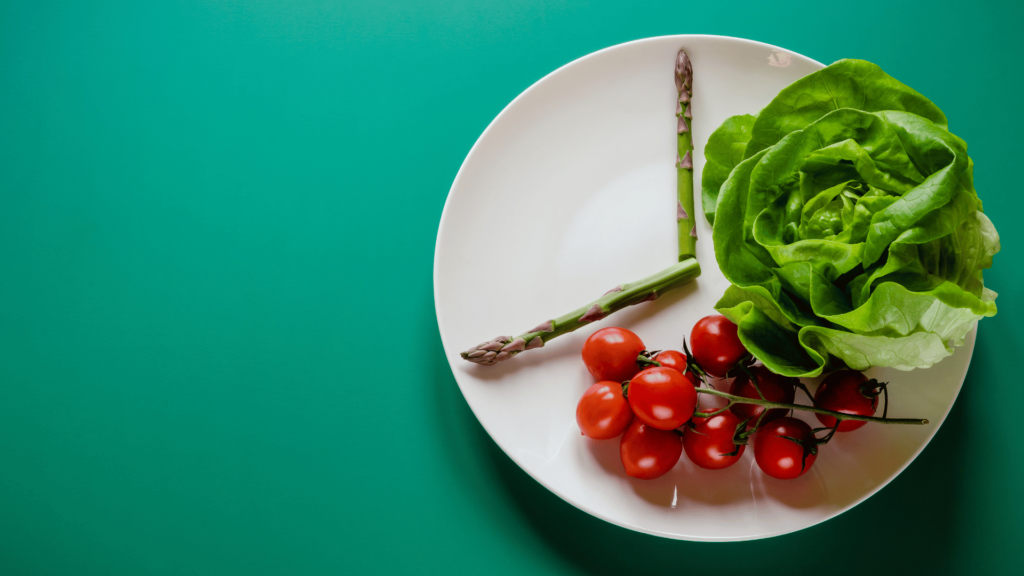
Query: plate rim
(971, 335)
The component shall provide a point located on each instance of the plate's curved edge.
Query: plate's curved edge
(972, 335)
(567, 498)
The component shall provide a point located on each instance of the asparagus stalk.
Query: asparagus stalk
(619, 297)
(685, 217)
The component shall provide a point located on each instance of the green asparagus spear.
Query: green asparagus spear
(650, 288)
(685, 217)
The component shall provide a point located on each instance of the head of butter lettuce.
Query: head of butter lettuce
(846, 219)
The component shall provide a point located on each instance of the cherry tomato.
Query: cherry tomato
(715, 344)
(647, 452)
(662, 397)
(603, 411)
(610, 354)
(842, 392)
(709, 440)
(782, 458)
(677, 361)
(774, 387)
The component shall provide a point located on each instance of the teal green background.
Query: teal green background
(218, 349)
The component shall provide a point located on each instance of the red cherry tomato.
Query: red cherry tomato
(647, 452)
(715, 344)
(662, 397)
(603, 411)
(709, 440)
(610, 354)
(677, 361)
(780, 457)
(774, 387)
(842, 392)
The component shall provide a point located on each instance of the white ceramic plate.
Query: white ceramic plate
(570, 191)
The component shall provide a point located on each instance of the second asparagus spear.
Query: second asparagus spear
(504, 347)
(619, 297)
(685, 217)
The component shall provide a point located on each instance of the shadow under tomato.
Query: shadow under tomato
(807, 491)
(685, 482)
(606, 454)
(713, 486)
(907, 527)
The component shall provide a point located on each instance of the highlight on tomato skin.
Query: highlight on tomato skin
(708, 441)
(716, 345)
(662, 397)
(843, 391)
(648, 453)
(781, 457)
(611, 353)
(603, 412)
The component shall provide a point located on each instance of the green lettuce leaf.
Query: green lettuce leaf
(856, 84)
(918, 350)
(722, 153)
(850, 229)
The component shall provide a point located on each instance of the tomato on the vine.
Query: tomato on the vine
(677, 361)
(647, 452)
(662, 397)
(611, 353)
(776, 452)
(708, 441)
(716, 345)
(775, 388)
(603, 411)
(848, 392)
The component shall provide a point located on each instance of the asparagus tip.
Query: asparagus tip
(684, 71)
(498, 349)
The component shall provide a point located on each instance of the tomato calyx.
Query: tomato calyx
(740, 437)
(740, 434)
(646, 359)
(753, 378)
(803, 387)
(810, 449)
(693, 425)
(746, 360)
(873, 389)
(693, 366)
(744, 366)
(811, 446)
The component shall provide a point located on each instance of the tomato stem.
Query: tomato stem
(646, 359)
(753, 381)
(803, 387)
(692, 366)
(733, 399)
